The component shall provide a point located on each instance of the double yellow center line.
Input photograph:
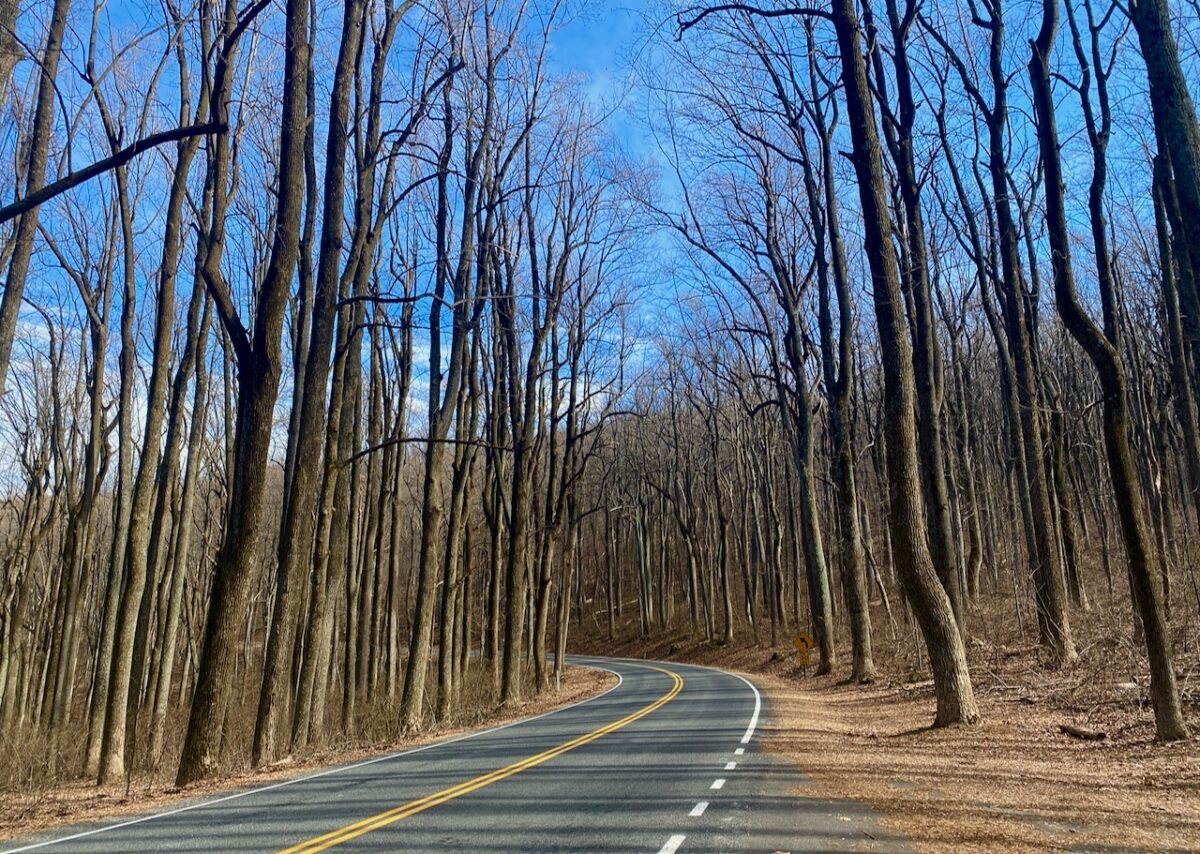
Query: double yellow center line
(383, 819)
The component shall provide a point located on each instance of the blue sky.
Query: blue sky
(601, 41)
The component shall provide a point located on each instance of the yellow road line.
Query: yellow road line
(383, 819)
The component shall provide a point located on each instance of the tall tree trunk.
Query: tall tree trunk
(298, 525)
(931, 605)
(180, 560)
(259, 365)
(1103, 348)
(130, 642)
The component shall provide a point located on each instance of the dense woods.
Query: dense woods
(354, 357)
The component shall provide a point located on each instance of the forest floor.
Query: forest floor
(1014, 782)
(26, 809)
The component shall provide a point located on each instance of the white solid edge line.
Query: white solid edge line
(698, 809)
(718, 783)
(729, 766)
(757, 697)
(672, 844)
(739, 751)
(757, 707)
(325, 773)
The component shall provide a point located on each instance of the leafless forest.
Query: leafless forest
(353, 361)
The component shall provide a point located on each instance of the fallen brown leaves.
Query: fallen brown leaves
(1012, 783)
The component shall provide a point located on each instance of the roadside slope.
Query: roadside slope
(24, 812)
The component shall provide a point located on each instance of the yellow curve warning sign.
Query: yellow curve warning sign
(804, 644)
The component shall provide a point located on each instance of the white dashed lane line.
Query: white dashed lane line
(672, 844)
(698, 810)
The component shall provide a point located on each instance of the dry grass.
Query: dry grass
(37, 794)
(1012, 783)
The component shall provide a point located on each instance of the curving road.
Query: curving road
(665, 761)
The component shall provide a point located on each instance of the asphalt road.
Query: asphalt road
(665, 761)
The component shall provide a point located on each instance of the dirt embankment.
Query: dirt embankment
(24, 811)
(1015, 782)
